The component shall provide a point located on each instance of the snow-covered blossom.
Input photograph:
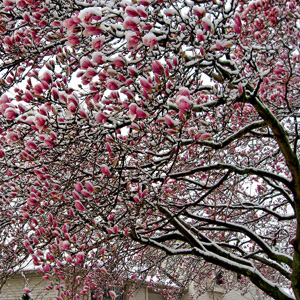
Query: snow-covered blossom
(98, 42)
(131, 23)
(150, 40)
(132, 40)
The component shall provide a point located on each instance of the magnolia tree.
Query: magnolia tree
(150, 136)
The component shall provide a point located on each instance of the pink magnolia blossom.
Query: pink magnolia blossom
(38, 88)
(85, 63)
(132, 108)
(200, 35)
(105, 170)
(101, 117)
(8, 41)
(97, 43)
(71, 212)
(133, 71)
(113, 84)
(157, 67)
(136, 199)
(50, 218)
(89, 186)
(202, 135)
(132, 40)
(183, 103)
(142, 13)
(73, 40)
(78, 187)
(79, 257)
(69, 259)
(99, 58)
(103, 250)
(79, 205)
(170, 122)
(50, 257)
(207, 24)
(145, 2)
(150, 40)
(75, 195)
(219, 45)
(205, 136)
(12, 137)
(121, 77)
(85, 193)
(29, 96)
(183, 91)
(70, 24)
(131, 11)
(115, 229)
(146, 27)
(145, 84)
(40, 122)
(112, 294)
(170, 12)
(109, 230)
(131, 23)
(140, 113)
(90, 72)
(64, 245)
(10, 113)
(35, 240)
(91, 30)
(237, 28)
(199, 11)
(49, 142)
(237, 20)
(26, 290)
(26, 17)
(46, 76)
(119, 61)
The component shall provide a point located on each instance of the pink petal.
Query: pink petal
(145, 84)
(157, 67)
(75, 195)
(170, 122)
(91, 30)
(64, 245)
(89, 186)
(150, 40)
(113, 84)
(131, 11)
(112, 294)
(85, 63)
(199, 11)
(200, 35)
(79, 205)
(115, 229)
(101, 118)
(141, 113)
(78, 186)
(31, 145)
(240, 89)
(105, 170)
(131, 23)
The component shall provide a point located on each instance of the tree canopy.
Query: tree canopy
(139, 134)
